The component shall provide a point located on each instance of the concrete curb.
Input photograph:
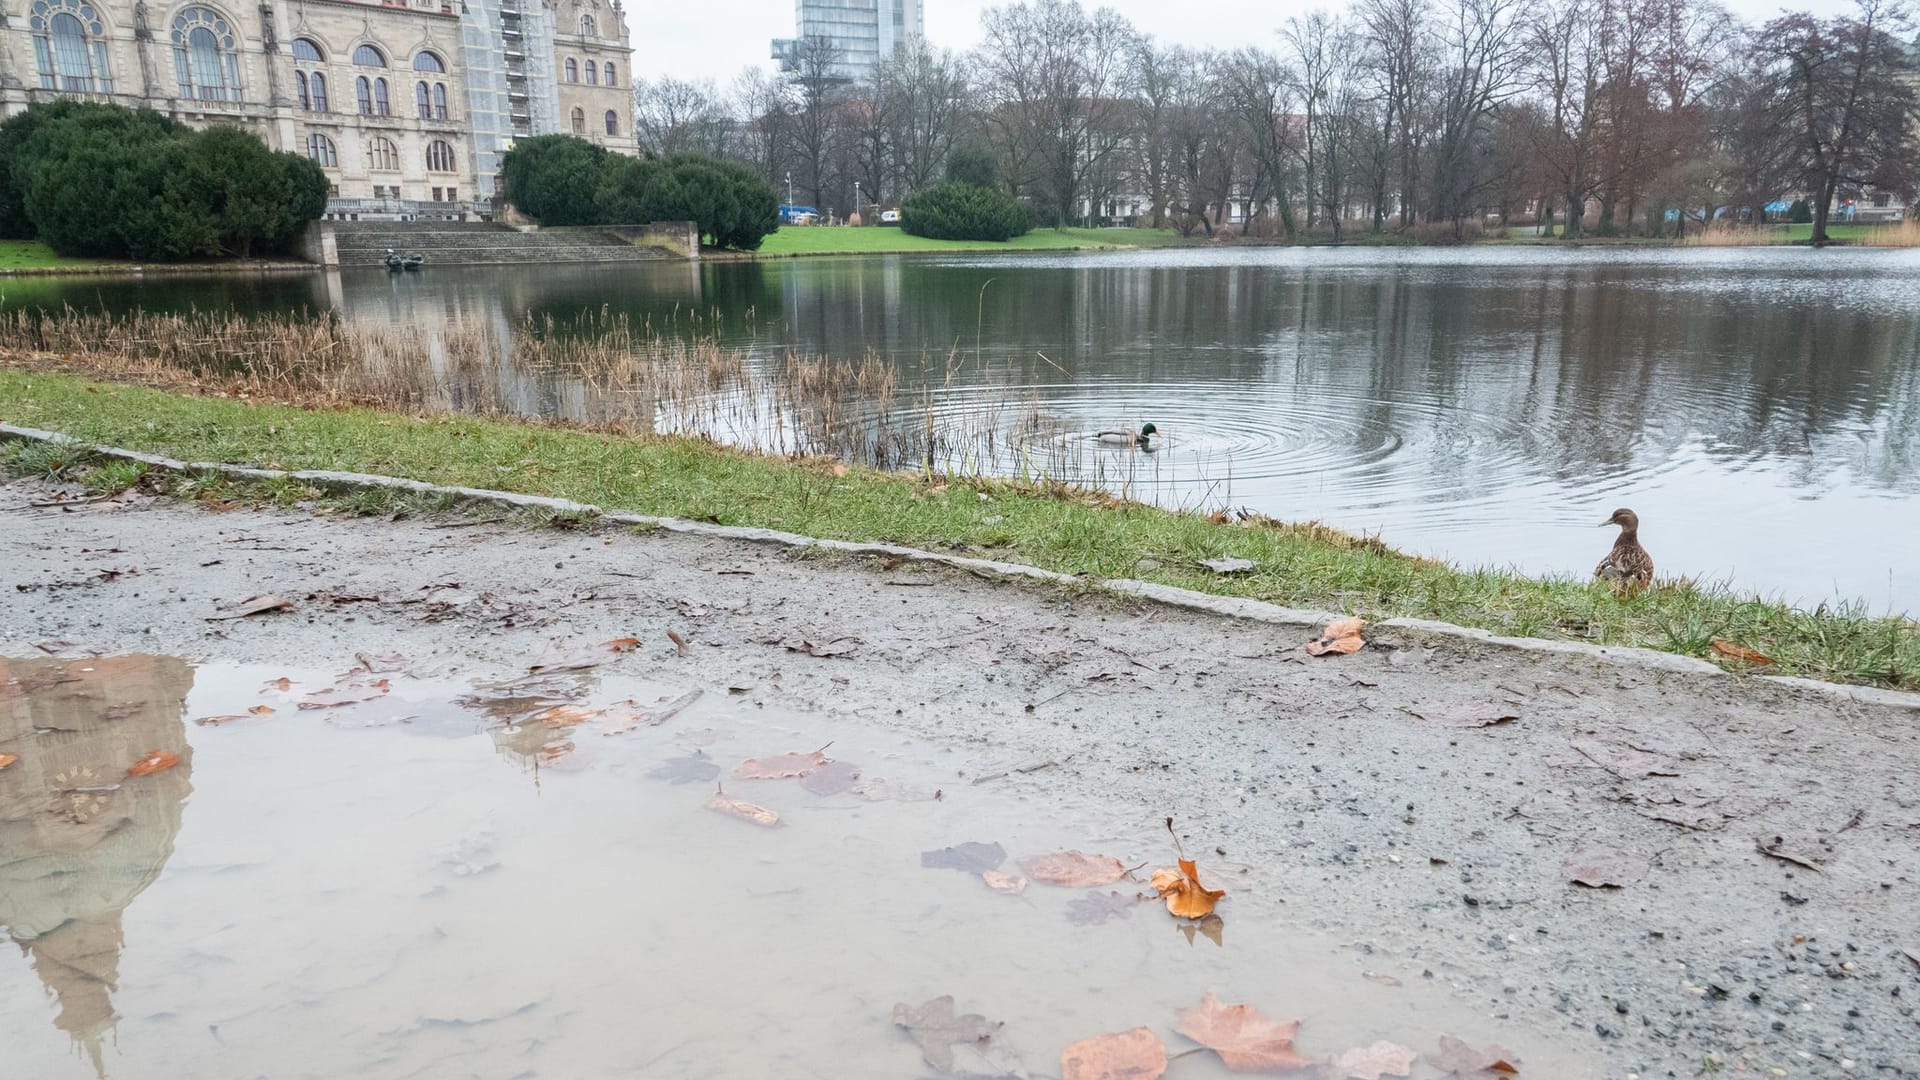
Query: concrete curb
(1231, 607)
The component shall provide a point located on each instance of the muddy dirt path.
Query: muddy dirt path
(1417, 806)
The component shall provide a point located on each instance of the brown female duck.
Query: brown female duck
(1627, 566)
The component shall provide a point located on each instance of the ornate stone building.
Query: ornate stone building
(407, 105)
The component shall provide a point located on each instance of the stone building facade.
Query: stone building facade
(407, 105)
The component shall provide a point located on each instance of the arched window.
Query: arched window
(586, 26)
(426, 61)
(593, 74)
(440, 101)
(607, 70)
(300, 90)
(573, 70)
(308, 50)
(320, 149)
(613, 122)
(421, 100)
(68, 43)
(579, 120)
(206, 59)
(363, 93)
(382, 155)
(439, 156)
(368, 56)
(318, 83)
(380, 102)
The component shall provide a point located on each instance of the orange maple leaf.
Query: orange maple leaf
(1245, 1040)
(1186, 897)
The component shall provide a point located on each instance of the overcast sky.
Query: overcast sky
(714, 39)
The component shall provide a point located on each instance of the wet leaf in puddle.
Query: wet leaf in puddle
(742, 809)
(8, 759)
(1012, 884)
(972, 857)
(1245, 1040)
(261, 710)
(582, 659)
(562, 716)
(214, 721)
(1211, 927)
(703, 737)
(1073, 870)
(347, 693)
(1342, 636)
(784, 767)
(1375, 1062)
(935, 1027)
(381, 663)
(686, 770)
(1127, 1055)
(258, 604)
(1098, 907)
(1186, 897)
(623, 716)
(1603, 868)
(282, 684)
(155, 761)
(1456, 1058)
(832, 778)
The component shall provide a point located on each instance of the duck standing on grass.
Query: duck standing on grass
(1144, 440)
(1627, 566)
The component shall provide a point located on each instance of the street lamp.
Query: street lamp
(857, 204)
(789, 195)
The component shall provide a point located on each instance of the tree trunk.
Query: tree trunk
(1823, 202)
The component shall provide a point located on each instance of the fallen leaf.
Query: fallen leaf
(1228, 565)
(210, 721)
(1342, 636)
(1740, 652)
(8, 759)
(686, 770)
(1245, 1040)
(621, 644)
(1210, 926)
(381, 663)
(832, 778)
(1073, 870)
(282, 684)
(972, 857)
(938, 1030)
(1602, 868)
(779, 768)
(258, 604)
(1186, 897)
(1098, 907)
(261, 710)
(740, 808)
(562, 716)
(1127, 1055)
(623, 716)
(1373, 1062)
(582, 659)
(679, 643)
(347, 693)
(1458, 1059)
(1006, 883)
(155, 761)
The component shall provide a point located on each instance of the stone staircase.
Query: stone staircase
(453, 243)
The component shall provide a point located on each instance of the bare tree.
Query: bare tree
(815, 90)
(1566, 74)
(673, 116)
(1841, 87)
(924, 93)
(1256, 93)
(1480, 58)
(760, 135)
(1395, 33)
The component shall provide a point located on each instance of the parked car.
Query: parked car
(889, 217)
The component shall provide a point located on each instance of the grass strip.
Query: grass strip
(1063, 529)
(823, 240)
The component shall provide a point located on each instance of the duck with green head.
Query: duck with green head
(1144, 440)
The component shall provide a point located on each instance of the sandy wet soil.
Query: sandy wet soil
(427, 881)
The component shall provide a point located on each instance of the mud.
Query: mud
(1374, 814)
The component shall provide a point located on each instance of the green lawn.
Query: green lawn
(837, 240)
(34, 255)
(1058, 528)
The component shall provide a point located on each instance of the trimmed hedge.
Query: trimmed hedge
(957, 210)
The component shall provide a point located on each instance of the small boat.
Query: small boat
(413, 262)
(394, 262)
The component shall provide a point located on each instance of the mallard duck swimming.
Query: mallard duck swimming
(1627, 566)
(1144, 440)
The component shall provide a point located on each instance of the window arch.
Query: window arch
(321, 150)
(381, 105)
(422, 102)
(382, 155)
(363, 93)
(593, 74)
(69, 44)
(586, 26)
(606, 70)
(439, 156)
(308, 50)
(426, 61)
(613, 122)
(439, 101)
(579, 120)
(206, 60)
(312, 89)
(368, 56)
(573, 70)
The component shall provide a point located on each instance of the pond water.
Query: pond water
(425, 878)
(1760, 409)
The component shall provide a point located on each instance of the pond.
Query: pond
(1760, 409)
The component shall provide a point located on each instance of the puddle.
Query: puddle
(424, 881)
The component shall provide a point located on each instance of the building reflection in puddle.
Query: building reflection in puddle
(79, 839)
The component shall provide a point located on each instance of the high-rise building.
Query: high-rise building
(406, 105)
(860, 33)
